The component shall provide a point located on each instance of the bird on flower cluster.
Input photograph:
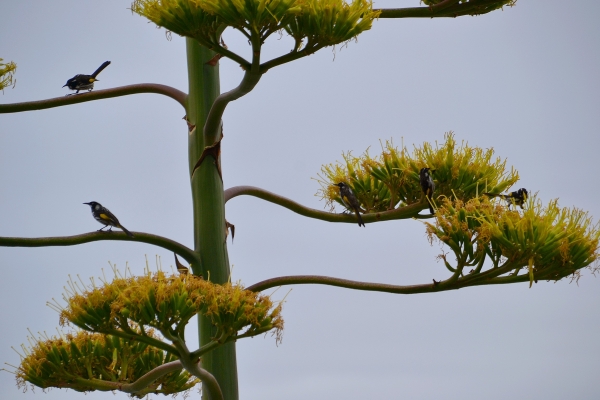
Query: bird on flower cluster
(350, 201)
(427, 186)
(518, 197)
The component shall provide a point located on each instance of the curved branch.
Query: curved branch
(448, 8)
(168, 91)
(406, 212)
(136, 387)
(292, 56)
(344, 283)
(144, 381)
(212, 133)
(190, 363)
(436, 286)
(204, 349)
(209, 382)
(213, 121)
(217, 48)
(185, 252)
(159, 344)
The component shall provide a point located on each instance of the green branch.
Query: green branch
(249, 81)
(338, 282)
(406, 212)
(168, 91)
(135, 387)
(292, 56)
(159, 344)
(144, 381)
(188, 254)
(190, 363)
(378, 287)
(448, 8)
(139, 387)
(209, 383)
(217, 48)
(204, 349)
(486, 276)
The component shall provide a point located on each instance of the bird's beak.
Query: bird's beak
(64, 85)
(87, 203)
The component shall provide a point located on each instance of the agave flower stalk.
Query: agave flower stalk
(210, 241)
(133, 309)
(313, 24)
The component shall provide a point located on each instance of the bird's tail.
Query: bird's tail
(100, 68)
(360, 221)
(126, 231)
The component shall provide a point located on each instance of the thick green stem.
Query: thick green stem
(209, 208)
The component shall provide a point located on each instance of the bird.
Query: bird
(350, 200)
(106, 218)
(83, 82)
(518, 197)
(428, 186)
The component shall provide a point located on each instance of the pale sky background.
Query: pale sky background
(524, 81)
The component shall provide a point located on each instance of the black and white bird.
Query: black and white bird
(106, 218)
(518, 197)
(350, 201)
(85, 82)
(427, 186)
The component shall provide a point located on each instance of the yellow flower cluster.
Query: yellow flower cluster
(91, 361)
(7, 71)
(551, 242)
(391, 179)
(329, 22)
(317, 22)
(167, 303)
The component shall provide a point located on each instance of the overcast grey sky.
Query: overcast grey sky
(524, 81)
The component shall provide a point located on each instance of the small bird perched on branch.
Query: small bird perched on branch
(427, 186)
(350, 201)
(85, 82)
(106, 218)
(518, 197)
